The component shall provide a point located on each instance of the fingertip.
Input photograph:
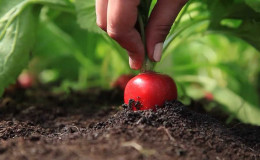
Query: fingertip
(135, 62)
(101, 14)
(159, 25)
(150, 52)
(101, 25)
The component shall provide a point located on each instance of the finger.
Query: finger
(121, 20)
(159, 25)
(101, 14)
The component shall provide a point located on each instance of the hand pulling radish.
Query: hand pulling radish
(149, 89)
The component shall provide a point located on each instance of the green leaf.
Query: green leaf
(17, 37)
(17, 34)
(59, 5)
(237, 105)
(58, 56)
(54, 3)
(73, 49)
(87, 15)
(255, 4)
(6, 5)
(230, 101)
(248, 30)
(10, 6)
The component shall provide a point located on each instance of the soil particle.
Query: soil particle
(90, 125)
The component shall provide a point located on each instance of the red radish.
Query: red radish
(150, 89)
(25, 80)
(122, 81)
(209, 96)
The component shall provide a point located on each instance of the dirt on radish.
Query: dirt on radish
(36, 124)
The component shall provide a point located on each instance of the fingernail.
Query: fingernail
(133, 64)
(157, 52)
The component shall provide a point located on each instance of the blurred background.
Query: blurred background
(212, 52)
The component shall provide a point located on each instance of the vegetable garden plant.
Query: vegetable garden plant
(213, 47)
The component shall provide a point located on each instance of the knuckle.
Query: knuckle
(115, 35)
(162, 30)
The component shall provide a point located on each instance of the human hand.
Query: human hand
(118, 19)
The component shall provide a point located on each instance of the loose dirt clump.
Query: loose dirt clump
(90, 125)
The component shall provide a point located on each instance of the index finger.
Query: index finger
(121, 20)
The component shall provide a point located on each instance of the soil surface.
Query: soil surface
(36, 124)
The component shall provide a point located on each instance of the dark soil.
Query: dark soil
(39, 125)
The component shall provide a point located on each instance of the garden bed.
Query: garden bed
(36, 124)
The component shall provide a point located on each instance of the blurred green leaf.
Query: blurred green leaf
(239, 10)
(73, 49)
(81, 58)
(87, 15)
(17, 36)
(255, 4)
(237, 106)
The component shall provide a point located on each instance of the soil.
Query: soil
(93, 125)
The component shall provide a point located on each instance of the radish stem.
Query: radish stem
(147, 64)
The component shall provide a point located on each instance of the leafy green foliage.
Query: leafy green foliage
(238, 10)
(16, 40)
(87, 15)
(205, 62)
(84, 56)
(255, 4)
(224, 66)
(18, 19)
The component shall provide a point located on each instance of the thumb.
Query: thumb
(159, 25)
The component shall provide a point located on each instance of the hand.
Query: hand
(118, 19)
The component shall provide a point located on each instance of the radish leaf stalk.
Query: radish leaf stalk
(143, 16)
